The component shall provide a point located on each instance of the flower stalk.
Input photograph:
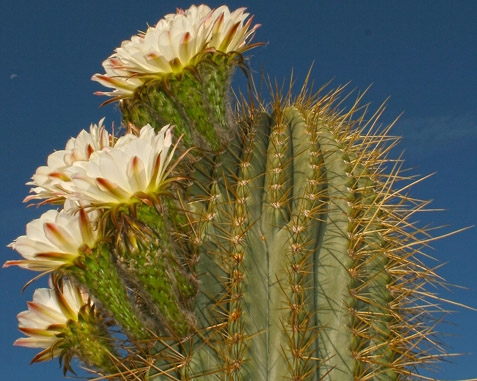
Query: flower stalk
(179, 72)
(156, 269)
(69, 244)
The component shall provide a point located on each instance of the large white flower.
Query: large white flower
(176, 41)
(137, 167)
(55, 239)
(48, 316)
(47, 180)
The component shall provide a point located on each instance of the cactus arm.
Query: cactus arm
(153, 266)
(305, 229)
(206, 198)
(333, 299)
(211, 195)
(255, 258)
(275, 215)
(372, 289)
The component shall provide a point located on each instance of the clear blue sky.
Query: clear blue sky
(422, 54)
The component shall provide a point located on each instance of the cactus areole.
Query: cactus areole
(277, 242)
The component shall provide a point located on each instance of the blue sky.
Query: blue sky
(423, 55)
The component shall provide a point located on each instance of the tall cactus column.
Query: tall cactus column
(299, 245)
(270, 221)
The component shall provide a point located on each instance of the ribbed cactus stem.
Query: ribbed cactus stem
(371, 278)
(333, 300)
(268, 329)
(276, 211)
(293, 256)
(302, 251)
(255, 268)
(304, 227)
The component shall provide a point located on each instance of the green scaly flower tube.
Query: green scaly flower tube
(95, 269)
(196, 102)
(152, 265)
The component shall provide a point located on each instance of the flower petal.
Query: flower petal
(172, 44)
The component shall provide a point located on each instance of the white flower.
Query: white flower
(136, 167)
(48, 179)
(48, 316)
(176, 41)
(55, 239)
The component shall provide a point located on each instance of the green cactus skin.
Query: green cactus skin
(196, 102)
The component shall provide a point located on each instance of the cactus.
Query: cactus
(308, 264)
(280, 243)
